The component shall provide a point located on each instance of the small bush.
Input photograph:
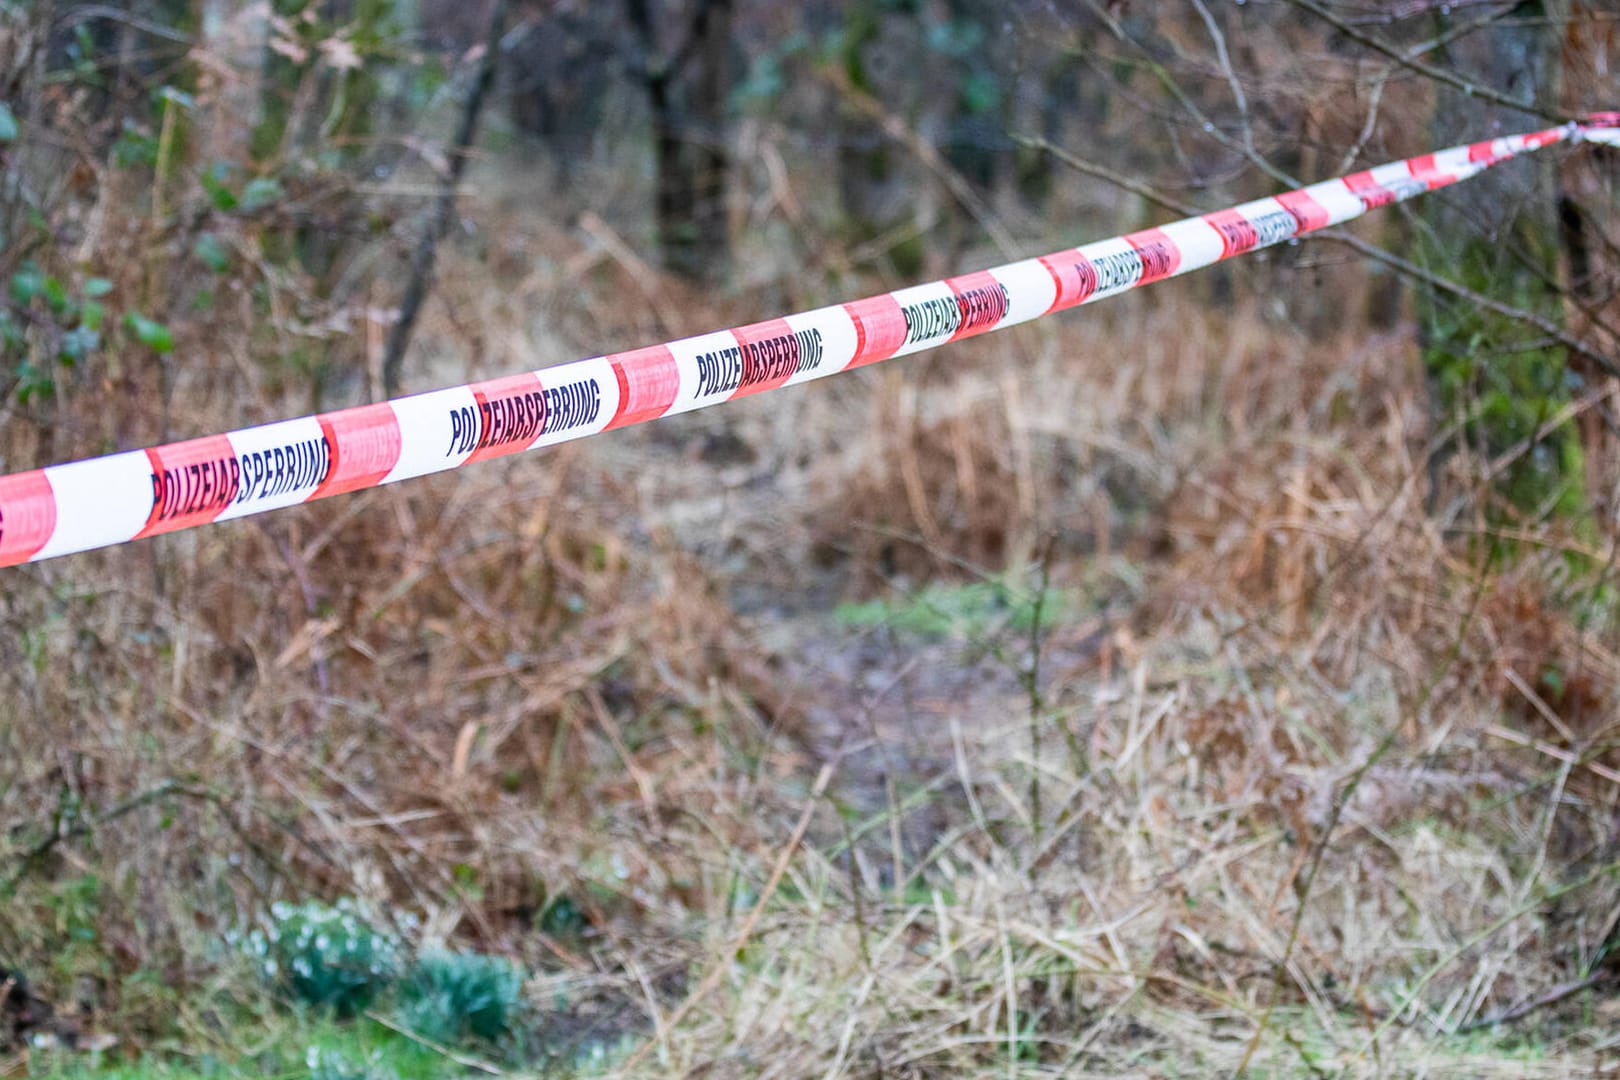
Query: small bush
(328, 957)
(447, 996)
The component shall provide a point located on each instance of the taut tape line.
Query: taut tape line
(109, 500)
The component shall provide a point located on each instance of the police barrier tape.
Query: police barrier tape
(108, 500)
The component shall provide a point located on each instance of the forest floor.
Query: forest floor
(1131, 694)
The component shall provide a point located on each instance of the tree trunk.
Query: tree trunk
(688, 93)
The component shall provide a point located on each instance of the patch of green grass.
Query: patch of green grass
(964, 612)
(304, 1047)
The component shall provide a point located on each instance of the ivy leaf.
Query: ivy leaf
(213, 182)
(77, 344)
(97, 287)
(980, 92)
(55, 295)
(33, 382)
(11, 336)
(8, 123)
(259, 193)
(211, 253)
(149, 332)
(27, 283)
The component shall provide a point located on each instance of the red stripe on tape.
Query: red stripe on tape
(27, 515)
(1076, 278)
(364, 444)
(880, 328)
(981, 299)
(1371, 193)
(511, 415)
(770, 356)
(648, 381)
(1306, 210)
(192, 483)
(1427, 169)
(1160, 256)
(1238, 234)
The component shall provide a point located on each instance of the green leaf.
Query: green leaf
(211, 253)
(55, 295)
(149, 332)
(176, 96)
(213, 182)
(8, 123)
(33, 382)
(259, 193)
(134, 147)
(980, 92)
(26, 284)
(77, 344)
(10, 333)
(92, 315)
(97, 287)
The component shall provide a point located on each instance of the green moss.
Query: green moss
(1481, 370)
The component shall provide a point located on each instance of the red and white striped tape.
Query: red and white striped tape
(109, 500)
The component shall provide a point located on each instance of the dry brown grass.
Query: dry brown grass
(474, 694)
(1320, 783)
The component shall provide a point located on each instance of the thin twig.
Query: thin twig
(1540, 1001)
(1542, 323)
(84, 827)
(1450, 78)
(1232, 80)
(1539, 902)
(1336, 813)
(926, 153)
(438, 1048)
(1102, 172)
(718, 970)
(421, 280)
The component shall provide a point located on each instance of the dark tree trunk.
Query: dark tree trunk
(688, 92)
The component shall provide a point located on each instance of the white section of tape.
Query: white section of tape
(1031, 291)
(581, 399)
(440, 431)
(99, 502)
(1272, 222)
(1337, 199)
(711, 367)
(931, 314)
(1197, 241)
(1397, 178)
(1118, 266)
(836, 333)
(282, 464)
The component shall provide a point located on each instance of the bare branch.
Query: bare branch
(421, 280)
(1450, 78)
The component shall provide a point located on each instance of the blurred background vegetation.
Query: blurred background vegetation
(1221, 678)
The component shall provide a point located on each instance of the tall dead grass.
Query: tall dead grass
(1324, 783)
